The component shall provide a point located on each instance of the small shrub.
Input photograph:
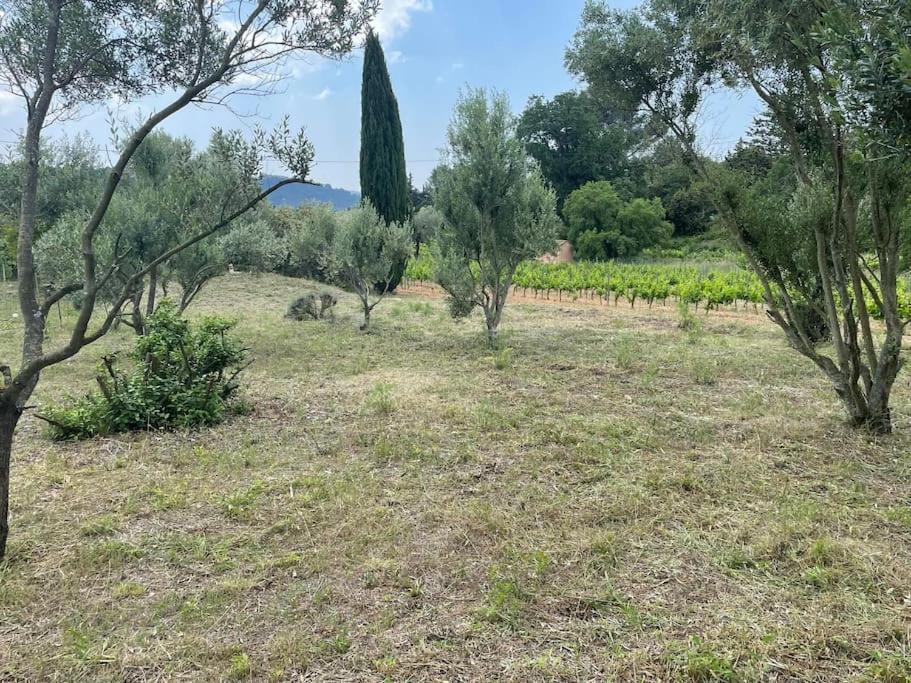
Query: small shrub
(312, 307)
(182, 377)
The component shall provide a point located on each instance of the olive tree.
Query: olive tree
(61, 56)
(833, 75)
(425, 223)
(367, 250)
(310, 233)
(497, 208)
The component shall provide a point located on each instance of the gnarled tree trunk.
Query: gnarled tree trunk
(9, 418)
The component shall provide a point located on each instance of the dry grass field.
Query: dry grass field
(611, 498)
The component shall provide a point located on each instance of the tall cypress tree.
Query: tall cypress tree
(384, 180)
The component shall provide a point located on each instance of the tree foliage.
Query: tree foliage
(181, 377)
(384, 179)
(603, 226)
(367, 250)
(575, 141)
(310, 234)
(497, 207)
(833, 76)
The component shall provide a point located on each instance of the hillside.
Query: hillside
(295, 195)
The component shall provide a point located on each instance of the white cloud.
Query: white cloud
(396, 57)
(394, 18)
(324, 95)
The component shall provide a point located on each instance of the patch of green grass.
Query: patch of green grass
(380, 399)
(288, 561)
(240, 667)
(103, 525)
(502, 359)
(899, 514)
(627, 352)
(890, 668)
(239, 504)
(504, 600)
(604, 552)
(820, 577)
(129, 589)
(702, 663)
(86, 646)
(109, 554)
(704, 370)
(169, 496)
(385, 665)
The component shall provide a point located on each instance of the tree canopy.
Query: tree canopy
(498, 209)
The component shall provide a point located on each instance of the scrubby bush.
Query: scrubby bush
(312, 307)
(182, 377)
(310, 236)
(253, 246)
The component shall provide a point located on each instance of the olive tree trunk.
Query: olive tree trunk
(9, 418)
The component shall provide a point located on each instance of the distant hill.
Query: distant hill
(297, 194)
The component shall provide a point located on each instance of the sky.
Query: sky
(434, 49)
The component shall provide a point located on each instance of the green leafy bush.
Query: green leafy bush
(253, 246)
(181, 377)
(602, 226)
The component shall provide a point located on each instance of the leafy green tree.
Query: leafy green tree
(384, 180)
(574, 140)
(61, 56)
(499, 211)
(169, 193)
(425, 225)
(685, 198)
(592, 210)
(311, 235)
(832, 74)
(70, 177)
(367, 250)
(252, 246)
(602, 226)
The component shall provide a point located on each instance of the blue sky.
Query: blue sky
(434, 48)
